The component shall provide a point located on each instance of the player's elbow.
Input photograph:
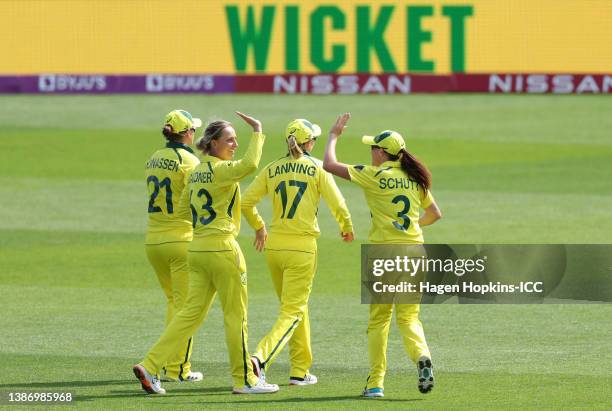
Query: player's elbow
(432, 215)
(437, 215)
(249, 166)
(327, 164)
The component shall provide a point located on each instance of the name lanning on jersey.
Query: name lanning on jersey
(292, 168)
(163, 164)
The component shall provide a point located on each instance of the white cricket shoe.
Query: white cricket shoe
(308, 379)
(150, 383)
(262, 387)
(426, 377)
(192, 376)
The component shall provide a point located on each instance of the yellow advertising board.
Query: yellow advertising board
(284, 36)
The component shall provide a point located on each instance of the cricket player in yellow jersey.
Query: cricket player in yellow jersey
(396, 187)
(216, 263)
(169, 234)
(295, 184)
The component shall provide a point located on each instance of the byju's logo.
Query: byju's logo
(53, 83)
(156, 83)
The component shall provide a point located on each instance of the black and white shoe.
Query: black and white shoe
(308, 379)
(192, 376)
(426, 377)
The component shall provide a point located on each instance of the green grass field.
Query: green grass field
(80, 303)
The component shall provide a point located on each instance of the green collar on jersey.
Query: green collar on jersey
(209, 158)
(174, 144)
(306, 153)
(394, 164)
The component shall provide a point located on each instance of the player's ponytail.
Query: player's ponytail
(211, 132)
(294, 148)
(169, 134)
(414, 168)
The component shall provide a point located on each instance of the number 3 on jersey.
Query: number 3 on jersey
(402, 214)
(281, 189)
(212, 214)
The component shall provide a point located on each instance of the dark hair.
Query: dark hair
(170, 135)
(414, 168)
(212, 132)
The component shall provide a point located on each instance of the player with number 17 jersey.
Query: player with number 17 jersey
(295, 183)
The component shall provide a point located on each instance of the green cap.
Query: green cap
(390, 141)
(303, 130)
(181, 120)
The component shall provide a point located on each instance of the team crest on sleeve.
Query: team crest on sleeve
(243, 278)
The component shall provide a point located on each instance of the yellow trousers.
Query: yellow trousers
(211, 272)
(411, 329)
(169, 261)
(292, 274)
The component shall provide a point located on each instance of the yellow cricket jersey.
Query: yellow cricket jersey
(295, 187)
(213, 195)
(395, 201)
(166, 175)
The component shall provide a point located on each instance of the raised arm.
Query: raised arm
(330, 163)
(337, 205)
(237, 170)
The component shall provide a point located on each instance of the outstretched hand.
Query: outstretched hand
(251, 121)
(340, 125)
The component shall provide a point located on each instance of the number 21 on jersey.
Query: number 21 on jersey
(165, 183)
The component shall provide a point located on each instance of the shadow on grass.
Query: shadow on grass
(256, 400)
(137, 392)
(308, 399)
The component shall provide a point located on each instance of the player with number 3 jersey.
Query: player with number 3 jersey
(396, 188)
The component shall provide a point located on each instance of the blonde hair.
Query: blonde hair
(295, 149)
